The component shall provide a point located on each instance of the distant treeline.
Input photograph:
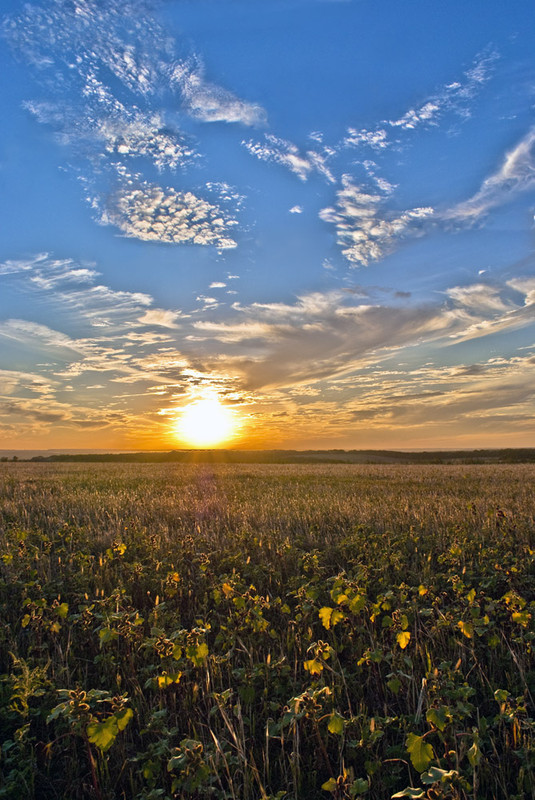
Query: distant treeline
(503, 456)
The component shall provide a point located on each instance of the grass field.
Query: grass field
(267, 631)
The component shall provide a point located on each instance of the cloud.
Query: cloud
(12, 267)
(105, 82)
(208, 102)
(452, 98)
(40, 336)
(479, 297)
(516, 174)
(287, 154)
(152, 213)
(328, 360)
(15, 380)
(320, 336)
(491, 309)
(296, 210)
(364, 231)
(376, 139)
(159, 316)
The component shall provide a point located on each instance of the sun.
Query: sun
(206, 422)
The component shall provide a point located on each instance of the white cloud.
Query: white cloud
(480, 297)
(11, 267)
(75, 46)
(41, 336)
(452, 98)
(364, 233)
(159, 316)
(296, 210)
(376, 139)
(208, 102)
(516, 174)
(151, 213)
(287, 154)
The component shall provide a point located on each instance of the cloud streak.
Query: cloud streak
(279, 151)
(516, 174)
(453, 98)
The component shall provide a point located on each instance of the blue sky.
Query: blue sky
(322, 211)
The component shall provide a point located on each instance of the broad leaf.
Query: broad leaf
(123, 717)
(336, 724)
(410, 792)
(421, 752)
(103, 734)
(466, 628)
(438, 717)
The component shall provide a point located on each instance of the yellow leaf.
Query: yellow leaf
(227, 589)
(336, 617)
(325, 614)
(166, 679)
(466, 628)
(313, 666)
(403, 639)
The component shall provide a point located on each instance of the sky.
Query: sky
(318, 214)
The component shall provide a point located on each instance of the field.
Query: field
(267, 631)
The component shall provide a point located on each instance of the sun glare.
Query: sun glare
(206, 423)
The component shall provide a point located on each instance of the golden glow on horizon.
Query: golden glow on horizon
(206, 423)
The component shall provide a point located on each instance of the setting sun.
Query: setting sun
(206, 423)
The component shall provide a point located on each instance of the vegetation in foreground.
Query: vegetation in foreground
(253, 632)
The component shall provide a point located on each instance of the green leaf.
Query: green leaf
(197, 653)
(107, 635)
(403, 639)
(410, 792)
(103, 734)
(336, 724)
(62, 610)
(435, 774)
(501, 695)
(474, 755)
(358, 787)
(330, 785)
(438, 717)
(420, 752)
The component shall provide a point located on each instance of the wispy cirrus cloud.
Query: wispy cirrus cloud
(208, 102)
(453, 98)
(516, 174)
(280, 151)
